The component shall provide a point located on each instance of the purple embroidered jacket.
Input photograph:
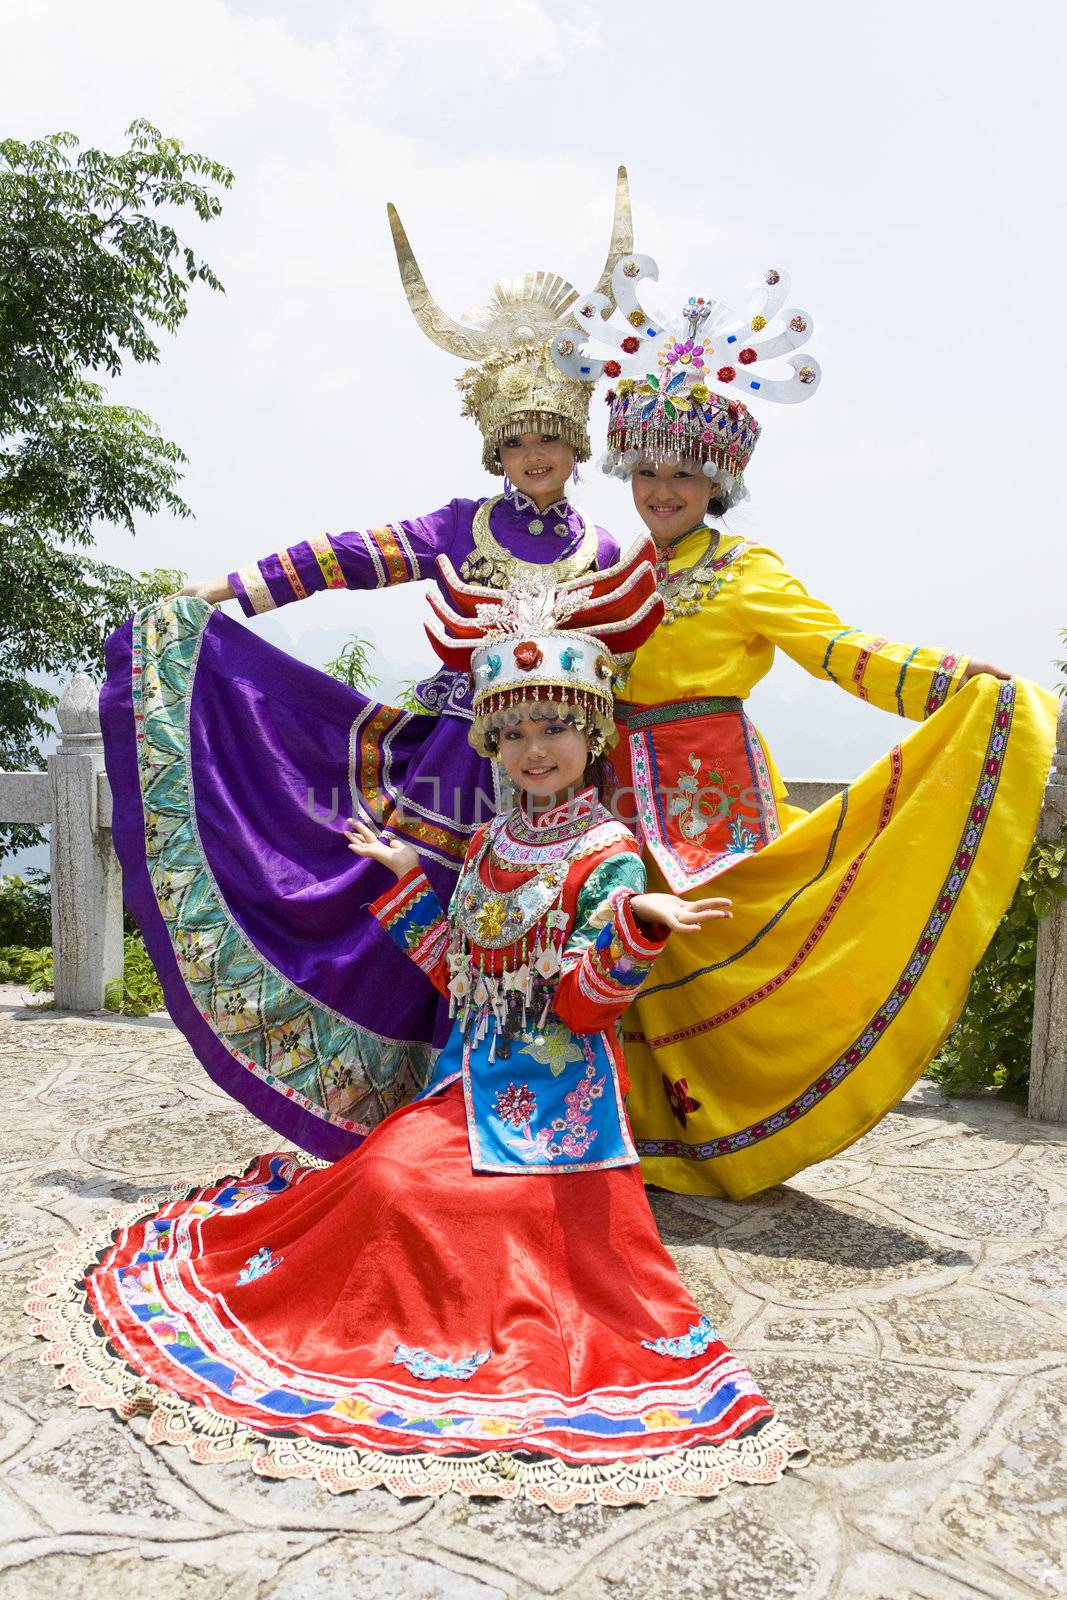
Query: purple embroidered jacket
(407, 551)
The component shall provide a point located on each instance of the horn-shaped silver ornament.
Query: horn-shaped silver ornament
(536, 306)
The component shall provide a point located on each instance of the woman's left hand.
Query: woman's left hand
(681, 916)
(975, 668)
(399, 857)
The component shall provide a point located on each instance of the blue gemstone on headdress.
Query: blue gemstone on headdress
(583, 369)
(651, 333)
(569, 658)
(731, 338)
(753, 385)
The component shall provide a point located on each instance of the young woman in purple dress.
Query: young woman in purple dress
(230, 761)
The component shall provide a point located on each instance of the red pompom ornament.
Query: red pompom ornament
(631, 345)
(726, 374)
(612, 369)
(747, 356)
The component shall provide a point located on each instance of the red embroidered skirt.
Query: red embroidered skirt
(398, 1319)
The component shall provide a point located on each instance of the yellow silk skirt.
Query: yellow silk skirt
(763, 1044)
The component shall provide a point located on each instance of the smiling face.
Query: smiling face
(544, 757)
(537, 463)
(671, 498)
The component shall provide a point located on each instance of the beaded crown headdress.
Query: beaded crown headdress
(536, 646)
(663, 406)
(514, 386)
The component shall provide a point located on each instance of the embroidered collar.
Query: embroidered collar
(521, 501)
(558, 828)
(577, 809)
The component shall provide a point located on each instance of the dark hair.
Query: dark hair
(601, 774)
(716, 507)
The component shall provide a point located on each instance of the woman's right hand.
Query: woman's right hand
(392, 853)
(215, 590)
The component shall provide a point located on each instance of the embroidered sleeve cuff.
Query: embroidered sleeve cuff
(946, 681)
(239, 591)
(407, 888)
(957, 676)
(639, 941)
(410, 913)
(618, 963)
(250, 587)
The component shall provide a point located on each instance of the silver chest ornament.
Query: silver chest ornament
(528, 922)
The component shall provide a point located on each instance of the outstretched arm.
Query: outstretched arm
(375, 558)
(912, 680)
(618, 932)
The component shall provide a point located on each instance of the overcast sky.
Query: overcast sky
(902, 160)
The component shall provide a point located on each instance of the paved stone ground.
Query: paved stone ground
(905, 1306)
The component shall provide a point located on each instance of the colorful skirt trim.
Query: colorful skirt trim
(503, 1336)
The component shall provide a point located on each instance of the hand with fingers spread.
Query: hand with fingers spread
(392, 853)
(681, 916)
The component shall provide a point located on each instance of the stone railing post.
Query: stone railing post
(86, 881)
(1048, 1059)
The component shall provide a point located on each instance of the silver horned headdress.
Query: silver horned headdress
(514, 386)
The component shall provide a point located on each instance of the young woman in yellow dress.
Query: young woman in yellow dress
(856, 927)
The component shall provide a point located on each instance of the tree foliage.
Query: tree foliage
(989, 1048)
(25, 909)
(88, 269)
(91, 270)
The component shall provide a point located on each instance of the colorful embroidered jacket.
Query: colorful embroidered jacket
(550, 1099)
(407, 551)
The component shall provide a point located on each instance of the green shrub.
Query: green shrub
(989, 1048)
(19, 964)
(138, 991)
(135, 994)
(353, 664)
(407, 699)
(25, 909)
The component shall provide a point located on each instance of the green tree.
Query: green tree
(90, 271)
